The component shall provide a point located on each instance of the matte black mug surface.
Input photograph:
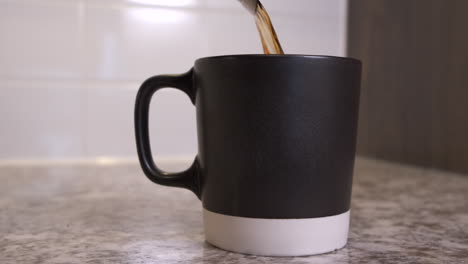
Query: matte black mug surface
(276, 134)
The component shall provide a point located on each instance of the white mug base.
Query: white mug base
(276, 237)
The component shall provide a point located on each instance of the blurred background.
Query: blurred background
(70, 70)
(414, 100)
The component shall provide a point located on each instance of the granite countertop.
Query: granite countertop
(113, 214)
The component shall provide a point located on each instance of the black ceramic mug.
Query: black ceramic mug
(277, 137)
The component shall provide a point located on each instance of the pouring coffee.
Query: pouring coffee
(269, 38)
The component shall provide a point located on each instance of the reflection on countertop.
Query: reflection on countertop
(92, 213)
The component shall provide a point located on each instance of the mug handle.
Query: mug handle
(189, 178)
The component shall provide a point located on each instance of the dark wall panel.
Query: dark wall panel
(415, 80)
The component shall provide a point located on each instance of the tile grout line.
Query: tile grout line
(103, 161)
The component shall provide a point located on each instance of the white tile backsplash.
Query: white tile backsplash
(110, 121)
(173, 125)
(70, 69)
(41, 119)
(133, 43)
(40, 40)
(109, 118)
(230, 33)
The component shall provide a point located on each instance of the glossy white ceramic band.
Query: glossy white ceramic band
(276, 237)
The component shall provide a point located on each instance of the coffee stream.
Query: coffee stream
(270, 42)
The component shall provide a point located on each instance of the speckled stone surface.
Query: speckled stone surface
(113, 214)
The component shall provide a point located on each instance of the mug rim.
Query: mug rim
(271, 56)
